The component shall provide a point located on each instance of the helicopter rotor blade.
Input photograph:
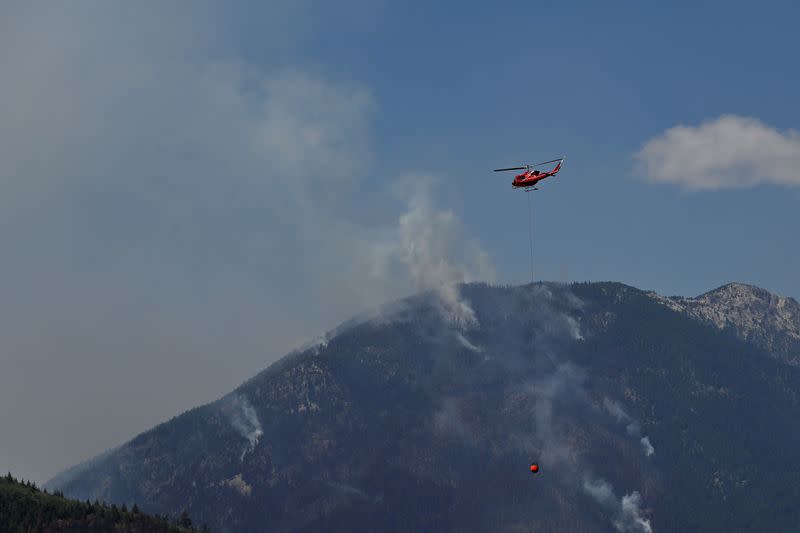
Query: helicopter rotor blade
(510, 168)
(545, 162)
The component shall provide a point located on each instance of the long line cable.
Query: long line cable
(530, 231)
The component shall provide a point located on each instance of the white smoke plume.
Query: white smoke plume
(627, 511)
(255, 168)
(565, 385)
(647, 448)
(427, 240)
(616, 410)
(553, 322)
(559, 383)
(238, 483)
(465, 342)
(558, 388)
(574, 328)
(566, 382)
(601, 491)
(630, 517)
(431, 248)
(632, 427)
(242, 416)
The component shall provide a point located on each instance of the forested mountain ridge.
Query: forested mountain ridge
(643, 415)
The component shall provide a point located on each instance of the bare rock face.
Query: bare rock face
(750, 310)
(644, 413)
(754, 314)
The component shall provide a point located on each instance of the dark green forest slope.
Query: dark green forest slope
(25, 508)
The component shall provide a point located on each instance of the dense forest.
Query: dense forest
(409, 423)
(26, 508)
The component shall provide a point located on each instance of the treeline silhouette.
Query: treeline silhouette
(25, 508)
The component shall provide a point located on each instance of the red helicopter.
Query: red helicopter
(528, 179)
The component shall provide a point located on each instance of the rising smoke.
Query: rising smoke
(247, 173)
(424, 250)
(243, 418)
(632, 426)
(547, 316)
(431, 246)
(630, 516)
(626, 511)
(465, 342)
(647, 448)
(563, 385)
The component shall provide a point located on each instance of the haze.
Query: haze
(188, 191)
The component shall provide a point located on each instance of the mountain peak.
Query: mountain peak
(755, 314)
(736, 289)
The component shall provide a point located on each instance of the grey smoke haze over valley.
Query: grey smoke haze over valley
(174, 219)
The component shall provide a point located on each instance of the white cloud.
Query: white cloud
(729, 152)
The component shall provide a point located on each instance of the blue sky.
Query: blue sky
(189, 190)
(461, 89)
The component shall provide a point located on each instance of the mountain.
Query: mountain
(751, 313)
(24, 508)
(644, 413)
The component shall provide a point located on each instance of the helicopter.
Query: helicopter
(532, 175)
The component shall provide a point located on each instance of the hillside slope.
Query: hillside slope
(643, 416)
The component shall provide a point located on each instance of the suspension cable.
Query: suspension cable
(530, 231)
